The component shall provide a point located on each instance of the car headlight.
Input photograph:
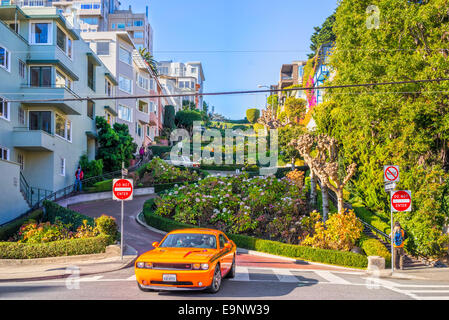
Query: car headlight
(204, 266)
(144, 265)
(196, 266)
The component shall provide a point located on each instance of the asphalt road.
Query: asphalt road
(256, 277)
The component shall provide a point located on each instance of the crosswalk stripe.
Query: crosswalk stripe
(332, 278)
(434, 298)
(241, 274)
(429, 291)
(284, 275)
(89, 279)
(133, 277)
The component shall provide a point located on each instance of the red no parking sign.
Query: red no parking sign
(401, 201)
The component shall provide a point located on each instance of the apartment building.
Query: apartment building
(136, 24)
(183, 78)
(289, 75)
(43, 59)
(117, 51)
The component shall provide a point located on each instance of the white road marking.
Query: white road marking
(434, 298)
(241, 274)
(90, 279)
(332, 278)
(284, 275)
(132, 278)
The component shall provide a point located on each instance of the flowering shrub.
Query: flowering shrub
(263, 206)
(341, 232)
(297, 177)
(157, 171)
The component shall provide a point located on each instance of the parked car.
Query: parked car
(187, 259)
(182, 162)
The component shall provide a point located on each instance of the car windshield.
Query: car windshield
(189, 240)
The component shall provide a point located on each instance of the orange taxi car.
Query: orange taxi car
(187, 259)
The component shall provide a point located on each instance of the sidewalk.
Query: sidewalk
(60, 267)
(421, 273)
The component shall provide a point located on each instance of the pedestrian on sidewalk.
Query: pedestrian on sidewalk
(79, 175)
(398, 237)
(142, 152)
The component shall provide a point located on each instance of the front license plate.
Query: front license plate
(169, 277)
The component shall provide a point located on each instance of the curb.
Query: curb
(253, 252)
(127, 261)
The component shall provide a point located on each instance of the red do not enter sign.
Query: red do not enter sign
(401, 201)
(122, 189)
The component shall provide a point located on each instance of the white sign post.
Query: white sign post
(122, 190)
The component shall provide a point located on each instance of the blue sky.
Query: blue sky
(213, 31)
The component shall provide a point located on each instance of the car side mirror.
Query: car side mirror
(228, 245)
(155, 244)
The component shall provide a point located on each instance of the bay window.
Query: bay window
(124, 113)
(41, 33)
(4, 109)
(125, 56)
(40, 120)
(125, 84)
(40, 76)
(63, 127)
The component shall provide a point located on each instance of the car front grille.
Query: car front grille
(172, 266)
(176, 283)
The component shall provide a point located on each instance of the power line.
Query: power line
(232, 92)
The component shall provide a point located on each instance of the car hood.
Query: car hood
(181, 255)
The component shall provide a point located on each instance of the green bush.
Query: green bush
(15, 250)
(159, 150)
(347, 259)
(252, 115)
(107, 225)
(66, 216)
(9, 229)
(374, 247)
(102, 186)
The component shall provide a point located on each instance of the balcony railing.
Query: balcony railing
(28, 3)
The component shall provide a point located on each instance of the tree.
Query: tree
(115, 144)
(205, 107)
(185, 118)
(325, 165)
(322, 35)
(252, 115)
(295, 108)
(188, 105)
(273, 102)
(149, 59)
(402, 124)
(169, 116)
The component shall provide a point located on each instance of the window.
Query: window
(143, 82)
(138, 35)
(60, 39)
(113, 26)
(91, 75)
(20, 160)
(163, 70)
(14, 26)
(109, 118)
(40, 76)
(21, 116)
(124, 113)
(4, 109)
(96, 6)
(151, 84)
(152, 107)
(103, 48)
(192, 84)
(91, 21)
(60, 80)
(86, 6)
(108, 87)
(62, 166)
(138, 23)
(69, 47)
(4, 153)
(120, 26)
(22, 69)
(63, 127)
(41, 33)
(222, 241)
(40, 120)
(148, 131)
(139, 129)
(90, 109)
(5, 57)
(192, 70)
(142, 106)
(181, 84)
(125, 56)
(125, 84)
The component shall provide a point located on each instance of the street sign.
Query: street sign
(389, 186)
(122, 189)
(124, 172)
(401, 201)
(391, 173)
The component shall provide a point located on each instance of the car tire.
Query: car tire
(144, 289)
(231, 272)
(216, 281)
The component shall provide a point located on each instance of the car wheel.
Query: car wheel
(216, 281)
(231, 273)
(144, 289)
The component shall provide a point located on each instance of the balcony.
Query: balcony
(33, 140)
(55, 93)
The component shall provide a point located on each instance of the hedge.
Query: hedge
(69, 247)
(371, 218)
(66, 216)
(374, 247)
(347, 259)
(9, 229)
(159, 150)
